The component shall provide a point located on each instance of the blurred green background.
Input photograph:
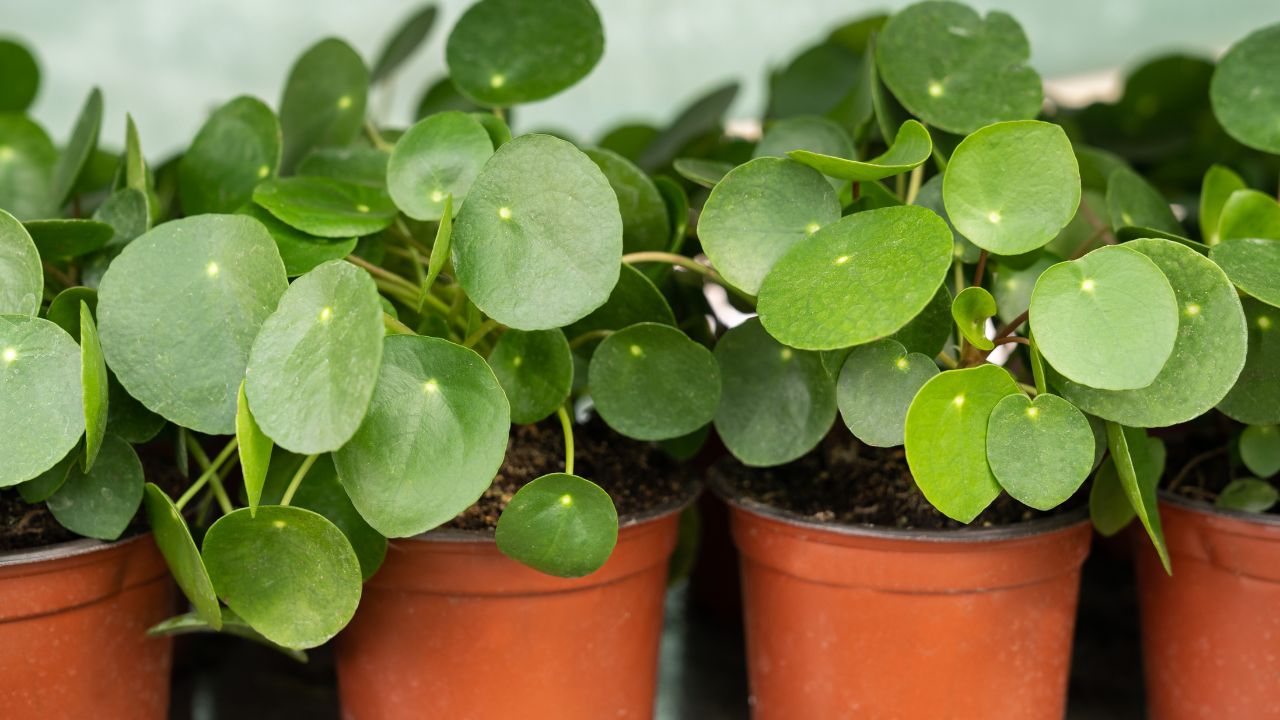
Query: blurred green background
(169, 62)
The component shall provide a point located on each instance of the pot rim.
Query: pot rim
(1204, 508)
(675, 505)
(1039, 526)
(58, 551)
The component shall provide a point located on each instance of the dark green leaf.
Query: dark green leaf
(101, 502)
(406, 40)
(702, 172)
(1220, 182)
(1248, 495)
(1133, 202)
(326, 207)
(26, 167)
(971, 309)
(238, 147)
(911, 147)
(877, 384)
(254, 448)
(1140, 490)
(57, 239)
(21, 76)
(644, 214)
(1244, 92)
(93, 379)
(300, 252)
(1255, 398)
(559, 524)
(228, 623)
(324, 100)
(535, 370)
(79, 148)
(1260, 449)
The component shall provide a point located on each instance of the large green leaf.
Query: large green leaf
(437, 157)
(179, 549)
(324, 100)
(289, 572)
(1140, 490)
(1010, 187)
(857, 279)
(238, 147)
(27, 158)
(1260, 449)
(80, 147)
(197, 289)
(1255, 397)
(1244, 91)
(956, 70)
(1041, 450)
(1133, 202)
(910, 148)
(41, 408)
(536, 372)
(758, 212)
(93, 380)
(434, 437)
(21, 276)
(1220, 182)
(1108, 320)
(777, 403)
(101, 502)
(538, 243)
(407, 38)
(651, 382)
(500, 53)
(21, 76)
(644, 213)
(57, 239)
(1207, 355)
(314, 364)
(300, 252)
(326, 207)
(946, 438)
(877, 383)
(559, 524)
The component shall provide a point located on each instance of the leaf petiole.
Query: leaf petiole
(567, 426)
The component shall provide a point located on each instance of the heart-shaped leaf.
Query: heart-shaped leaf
(289, 572)
(254, 449)
(1133, 202)
(758, 212)
(400, 46)
(173, 537)
(26, 167)
(1255, 397)
(432, 441)
(238, 147)
(535, 370)
(559, 524)
(22, 76)
(1260, 449)
(971, 309)
(41, 407)
(911, 147)
(777, 402)
(324, 100)
(1140, 489)
(21, 276)
(300, 252)
(1011, 187)
(1040, 450)
(101, 502)
(1108, 320)
(539, 242)
(437, 157)
(1220, 182)
(93, 379)
(58, 239)
(1244, 91)
(79, 148)
(877, 383)
(1248, 495)
(644, 214)
(326, 207)
(857, 279)
(946, 438)
(200, 288)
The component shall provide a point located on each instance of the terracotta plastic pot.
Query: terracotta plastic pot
(1211, 631)
(847, 622)
(452, 628)
(73, 623)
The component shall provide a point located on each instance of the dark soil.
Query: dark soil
(1202, 460)
(846, 482)
(638, 476)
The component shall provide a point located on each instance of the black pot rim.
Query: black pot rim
(1204, 508)
(58, 551)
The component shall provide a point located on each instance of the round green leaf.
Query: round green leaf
(1133, 202)
(437, 157)
(1108, 320)
(324, 100)
(289, 572)
(559, 524)
(1253, 264)
(1245, 92)
(41, 408)
(1248, 495)
(535, 370)
(538, 243)
(79, 148)
(1041, 450)
(911, 147)
(635, 299)
(1010, 187)
(651, 382)
(300, 252)
(21, 76)
(858, 279)
(777, 403)
(238, 147)
(27, 158)
(58, 239)
(434, 437)
(499, 53)
(179, 309)
(971, 309)
(1255, 397)
(877, 384)
(1260, 449)
(1207, 355)
(758, 212)
(179, 549)
(1220, 183)
(1249, 214)
(100, 503)
(946, 438)
(955, 69)
(93, 380)
(315, 361)
(326, 207)
(406, 40)
(442, 96)
(644, 213)
(499, 131)
(21, 276)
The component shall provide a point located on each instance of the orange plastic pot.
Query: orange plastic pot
(1211, 631)
(73, 623)
(847, 622)
(452, 628)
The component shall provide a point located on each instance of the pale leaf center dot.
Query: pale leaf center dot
(211, 269)
(437, 196)
(812, 228)
(504, 213)
(362, 208)
(1193, 309)
(10, 355)
(1264, 323)
(278, 523)
(566, 500)
(786, 354)
(517, 361)
(264, 171)
(497, 80)
(958, 400)
(325, 314)
(430, 386)
(842, 259)
(935, 88)
(1032, 412)
(344, 102)
(636, 351)
(1087, 285)
(6, 152)
(993, 216)
(902, 363)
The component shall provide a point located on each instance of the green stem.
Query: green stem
(688, 264)
(297, 479)
(376, 137)
(396, 326)
(588, 336)
(209, 474)
(1037, 368)
(567, 426)
(913, 187)
(485, 328)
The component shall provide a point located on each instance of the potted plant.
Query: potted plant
(864, 590)
(80, 580)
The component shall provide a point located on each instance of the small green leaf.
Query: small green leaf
(41, 409)
(1220, 182)
(254, 449)
(946, 438)
(437, 158)
(1249, 214)
(700, 171)
(179, 549)
(644, 213)
(326, 207)
(1108, 320)
(1133, 202)
(911, 147)
(324, 100)
(135, 163)
(100, 503)
(1040, 450)
(559, 524)
(1260, 449)
(442, 96)
(93, 378)
(43, 486)
(499, 131)
(777, 402)
(877, 383)
(501, 54)
(57, 239)
(1253, 264)
(1011, 187)
(228, 623)
(651, 382)
(21, 76)
(758, 212)
(26, 167)
(1244, 92)
(408, 37)
(439, 250)
(535, 370)
(289, 572)
(128, 212)
(857, 279)
(805, 133)
(635, 299)
(21, 276)
(971, 309)
(1248, 495)
(1140, 490)
(1255, 397)
(79, 148)
(927, 333)
(300, 252)
(238, 147)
